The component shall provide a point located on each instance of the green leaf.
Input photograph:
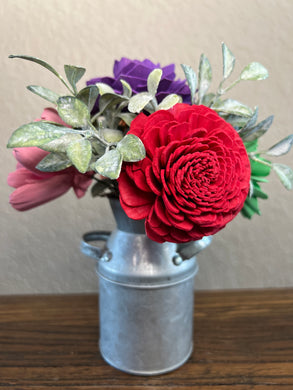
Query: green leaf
(230, 106)
(204, 77)
(258, 179)
(248, 211)
(258, 193)
(169, 101)
(126, 117)
(259, 169)
(54, 162)
(105, 88)
(207, 99)
(73, 74)
(111, 136)
(109, 164)
(44, 93)
(254, 71)
(80, 154)
(109, 100)
(236, 121)
(127, 90)
(257, 131)
(228, 61)
(60, 145)
(139, 101)
(250, 123)
(36, 134)
(88, 96)
(153, 81)
(282, 147)
(285, 174)
(131, 148)
(73, 111)
(191, 79)
(252, 203)
(251, 146)
(97, 147)
(42, 63)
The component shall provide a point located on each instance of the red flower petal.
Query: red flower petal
(153, 235)
(197, 171)
(137, 124)
(131, 195)
(138, 212)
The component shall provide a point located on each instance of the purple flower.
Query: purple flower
(136, 73)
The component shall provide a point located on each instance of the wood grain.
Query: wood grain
(242, 340)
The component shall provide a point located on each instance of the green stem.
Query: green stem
(230, 86)
(122, 105)
(119, 109)
(221, 91)
(45, 65)
(66, 85)
(254, 158)
(96, 135)
(154, 103)
(218, 94)
(95, 117)
(116, 113)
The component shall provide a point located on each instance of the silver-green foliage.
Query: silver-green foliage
(227, 108)
(98, 142)
(242, 118)
(147, 100)
(87, 142)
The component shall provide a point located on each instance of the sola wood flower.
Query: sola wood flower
(33, 187)
(194, 179)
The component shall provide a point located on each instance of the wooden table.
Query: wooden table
(243, 340)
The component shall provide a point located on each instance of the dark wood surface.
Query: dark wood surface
(242, 340)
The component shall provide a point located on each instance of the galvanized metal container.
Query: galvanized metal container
(145, 297)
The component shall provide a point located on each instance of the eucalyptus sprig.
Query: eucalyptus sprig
(243, 119)
(89, 144)
(100, 143)
(200, 86)
(147, 100)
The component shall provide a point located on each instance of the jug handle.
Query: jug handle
(91, 250)
(189, 249)
(185, 251)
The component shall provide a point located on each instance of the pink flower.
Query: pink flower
(34, 187)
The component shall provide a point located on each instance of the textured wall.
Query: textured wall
(39, 248)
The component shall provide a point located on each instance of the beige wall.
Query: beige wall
(39, 248)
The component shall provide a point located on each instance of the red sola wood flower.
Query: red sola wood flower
(194, 179)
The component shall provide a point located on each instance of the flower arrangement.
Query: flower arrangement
(184, 159)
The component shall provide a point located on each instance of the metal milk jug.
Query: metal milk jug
(145, 297)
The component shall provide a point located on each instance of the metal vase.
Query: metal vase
(145, 297)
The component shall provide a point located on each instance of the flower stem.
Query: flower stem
(263, 162)
(96, 134)
(230, 86)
